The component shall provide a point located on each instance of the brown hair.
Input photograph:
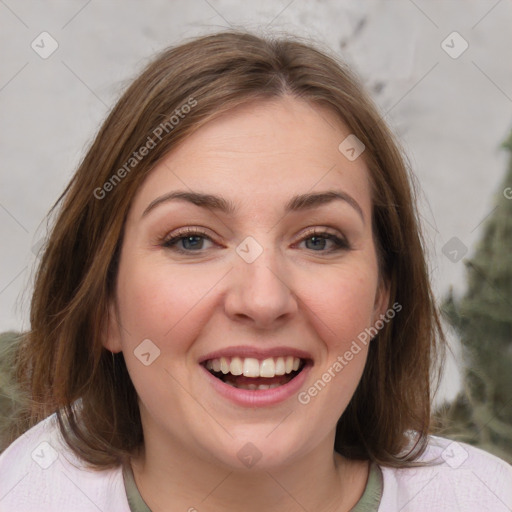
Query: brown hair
(63, 363)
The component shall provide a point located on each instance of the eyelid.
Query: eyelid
(187, 231)
(320, 230)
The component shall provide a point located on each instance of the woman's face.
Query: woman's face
(252, 269)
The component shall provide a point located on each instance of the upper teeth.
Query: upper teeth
(251, 367)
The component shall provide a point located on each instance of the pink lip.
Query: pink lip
(257, 353)
(259, 397)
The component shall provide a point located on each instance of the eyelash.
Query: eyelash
(171, 242)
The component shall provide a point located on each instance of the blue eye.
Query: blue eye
(192, 240)
(320, 240)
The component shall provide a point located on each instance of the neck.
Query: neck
(321, 480)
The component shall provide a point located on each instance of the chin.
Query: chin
(262, 448)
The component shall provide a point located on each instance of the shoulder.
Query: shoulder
(39, 472)
(458, 477)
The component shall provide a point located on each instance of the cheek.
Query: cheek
(343, 309)
(161, 304)
(155, 299)
(343, 303)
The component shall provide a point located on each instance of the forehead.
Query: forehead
(261, 152)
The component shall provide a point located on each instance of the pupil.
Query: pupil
(318, 239)
(188, 239)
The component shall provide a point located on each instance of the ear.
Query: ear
(111, 330)
(381, 304)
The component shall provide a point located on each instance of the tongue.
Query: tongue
(242, 380)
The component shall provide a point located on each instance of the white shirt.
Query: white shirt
(39, 473)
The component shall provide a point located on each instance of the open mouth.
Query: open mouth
(253, 374)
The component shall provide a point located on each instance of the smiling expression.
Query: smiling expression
(248, 266)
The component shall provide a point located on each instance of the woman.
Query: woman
(233, 308)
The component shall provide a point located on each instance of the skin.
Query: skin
(295, 294)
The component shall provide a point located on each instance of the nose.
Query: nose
(260, 293)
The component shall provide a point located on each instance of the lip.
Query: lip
(258, 397)
(257, 353)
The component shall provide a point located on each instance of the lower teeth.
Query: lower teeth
(253, 387)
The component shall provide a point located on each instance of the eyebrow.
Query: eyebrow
(297, 203)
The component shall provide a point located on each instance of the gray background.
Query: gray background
(450, 113)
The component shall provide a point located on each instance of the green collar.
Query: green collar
(137, 504)
(369, 501)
